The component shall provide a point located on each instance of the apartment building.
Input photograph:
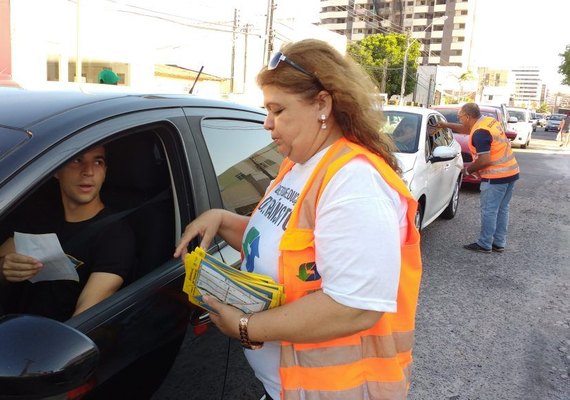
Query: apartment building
(442, 27)
(528, 85)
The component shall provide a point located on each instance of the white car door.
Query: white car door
(445, 173)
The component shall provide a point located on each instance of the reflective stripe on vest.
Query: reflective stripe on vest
(371, 364)
(503, 162)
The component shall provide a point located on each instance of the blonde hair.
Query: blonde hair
(351, 88)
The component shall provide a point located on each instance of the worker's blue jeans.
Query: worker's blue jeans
(495, 200)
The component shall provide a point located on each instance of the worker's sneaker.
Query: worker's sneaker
(476, 247)
(498, 249)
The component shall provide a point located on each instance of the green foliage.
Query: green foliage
(564, 68)
(375, 50)
(543, 108)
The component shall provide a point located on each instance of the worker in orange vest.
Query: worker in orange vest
(336, 228)
(495, 162)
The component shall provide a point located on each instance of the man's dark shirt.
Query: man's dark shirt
(482, 140)
(109, 248)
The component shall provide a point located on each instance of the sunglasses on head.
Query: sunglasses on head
(278, 57)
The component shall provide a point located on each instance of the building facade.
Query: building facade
(442, 27)
(528, 86)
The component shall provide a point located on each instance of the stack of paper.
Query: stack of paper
(247, 291)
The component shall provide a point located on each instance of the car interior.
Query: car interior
(137, 187)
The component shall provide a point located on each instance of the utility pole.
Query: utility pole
(269, 30)
(78, 60)
(404, 69)
(349, 19)
(234, 34)
(429, 91)
(384, 76)
(246, 30)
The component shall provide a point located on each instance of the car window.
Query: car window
(450, 115)
(520, 115)
(139, 207)
(403, 128)
(245, 160)
(447, 133)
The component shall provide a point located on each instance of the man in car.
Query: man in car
(495, 162)
(565, 130)
(405, 135)
(104, 252)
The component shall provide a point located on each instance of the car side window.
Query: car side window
(245, 160)
(441, 137)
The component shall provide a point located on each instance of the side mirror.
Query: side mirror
(42, 357)
(513, 120)
(443, 153)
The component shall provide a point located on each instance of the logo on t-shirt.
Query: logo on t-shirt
(251, 248)
(308, 272)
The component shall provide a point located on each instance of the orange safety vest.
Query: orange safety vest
(503, 162)
(371, 364)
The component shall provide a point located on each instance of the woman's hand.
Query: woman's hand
(206, 225)
(226, 317)
(17, 267)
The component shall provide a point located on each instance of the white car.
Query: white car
(520, 122)
(430, 159)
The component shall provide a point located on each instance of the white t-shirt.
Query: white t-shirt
(360, 223)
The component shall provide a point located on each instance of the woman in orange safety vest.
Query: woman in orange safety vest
(336, 228)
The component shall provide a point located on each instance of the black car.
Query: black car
(170, 158)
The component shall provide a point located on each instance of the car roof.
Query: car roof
(22, 109)
(32, 121)
(486, 108)
(416, 110)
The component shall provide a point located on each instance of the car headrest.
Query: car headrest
(136, 163)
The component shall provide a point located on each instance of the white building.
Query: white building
(444, 28)
(151, 48)
(528, 86)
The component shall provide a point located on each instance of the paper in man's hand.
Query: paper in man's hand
(46, 249)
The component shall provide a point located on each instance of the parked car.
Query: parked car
(449, 111)
(430, 161)
(519, 121)
(169, 159)
(541, 120)
(554, 121)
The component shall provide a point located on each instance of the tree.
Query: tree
(564, 68)
(380, 52)
(543, 108)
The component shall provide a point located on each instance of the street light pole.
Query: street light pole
(404, 69)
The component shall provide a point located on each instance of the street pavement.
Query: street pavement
(489, 326)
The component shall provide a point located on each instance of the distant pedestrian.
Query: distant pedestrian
(565, 130)
(495, 162)
(108, 77)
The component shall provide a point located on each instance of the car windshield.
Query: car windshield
(518, 114)
(557, 117)
(451, 114)
(404, 128)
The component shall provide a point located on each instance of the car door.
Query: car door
(139, 329)
(441, 183)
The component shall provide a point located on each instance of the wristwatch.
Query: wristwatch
(244, 338)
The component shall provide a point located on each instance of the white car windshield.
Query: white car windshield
(404, 128)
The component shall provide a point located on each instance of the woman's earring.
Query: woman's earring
(323, 121)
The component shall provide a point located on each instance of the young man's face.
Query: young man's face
(80, 180)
